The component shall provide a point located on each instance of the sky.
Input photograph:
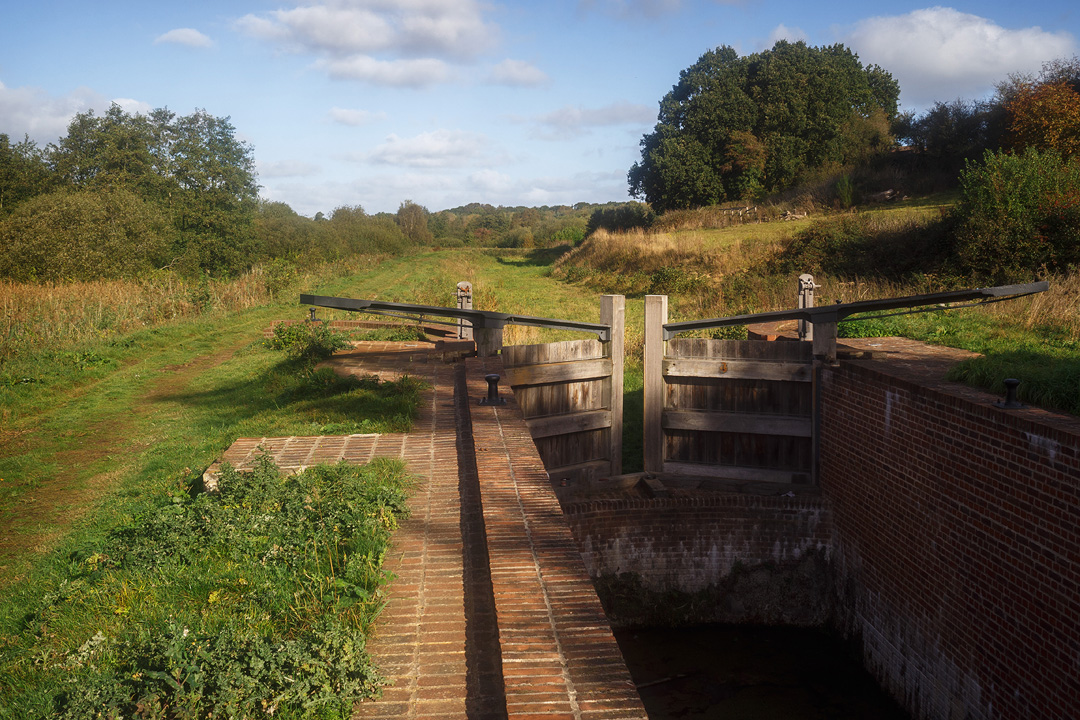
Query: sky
(447, 102)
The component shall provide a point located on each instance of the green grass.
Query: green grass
(1045, 358)
(101, 446)
(102, 439)
(104, 445)
(253, 602)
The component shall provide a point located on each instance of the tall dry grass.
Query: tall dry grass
(53, 315)
(1058, 307)
(628, 260)
(715, 281)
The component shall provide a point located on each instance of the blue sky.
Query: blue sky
(445, 102)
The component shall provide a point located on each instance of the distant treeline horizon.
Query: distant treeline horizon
(124, 195)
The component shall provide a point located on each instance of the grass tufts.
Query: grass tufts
(254, 602)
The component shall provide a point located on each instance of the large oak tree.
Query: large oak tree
(734, 127)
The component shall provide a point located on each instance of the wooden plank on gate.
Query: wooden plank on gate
(561, 372)
(735, 472)
(755, 424)
(571, 423)
(613, 314)
(653, 393)
(737, 369)
(514, 355)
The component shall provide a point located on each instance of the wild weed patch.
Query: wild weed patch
(253, 602)
(308, 341)
(400, 333)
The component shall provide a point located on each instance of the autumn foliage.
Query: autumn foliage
(1046, 117)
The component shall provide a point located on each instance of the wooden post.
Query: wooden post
(613, 313)
(806, 300)
(825, 342)
(653, 440)
(464, 302)
(488, 341)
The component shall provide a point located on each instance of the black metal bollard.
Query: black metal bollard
(1010, 402)
(493, 391)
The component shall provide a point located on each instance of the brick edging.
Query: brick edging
(560, 658)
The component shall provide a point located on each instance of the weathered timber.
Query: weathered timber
(613, 313)
(750, 474)
(571, 396)
(735, 422)
(737, 369)
(559, 372)
(656, 311)
(543, 427)
(739, 409)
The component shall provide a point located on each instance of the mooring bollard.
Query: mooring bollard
(1010, 402)
(493, 391)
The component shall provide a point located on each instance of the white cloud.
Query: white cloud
(416, 73)
(324, 28)
(133, 107)
(572, 121)
(940, 53)
(185, 36)
(490, 182)
(783, 32)
(382, 41)
(436, 149)
(592, 186)
(32, 111)
(345, 116)
(287, 168)
(262, 28)
(518, 73)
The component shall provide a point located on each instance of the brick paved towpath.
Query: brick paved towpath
(492, 614)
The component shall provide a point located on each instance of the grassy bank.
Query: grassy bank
(255, 602)
(122, 587)
(888, 251)
(116, 576)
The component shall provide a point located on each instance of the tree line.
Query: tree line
(123, 194)
(736, 128)
(739, 128)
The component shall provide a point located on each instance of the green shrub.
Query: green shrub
(280, 274)
(568, 235)
(845, 191)
(628, 216)
(252, 602)
(670, 280)
(866, 245)
(1019, 215)
(82, 235)
(832, 245)
(309, 341)
(400, 333)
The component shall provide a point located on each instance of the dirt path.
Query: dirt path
(36, 521)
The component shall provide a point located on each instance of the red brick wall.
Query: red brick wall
(957, 544)
(750, 558)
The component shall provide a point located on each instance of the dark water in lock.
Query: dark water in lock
(729, 672)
